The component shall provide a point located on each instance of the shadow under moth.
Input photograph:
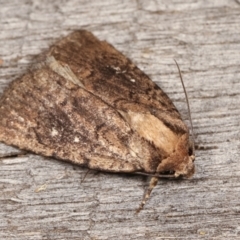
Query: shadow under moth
(86, 103)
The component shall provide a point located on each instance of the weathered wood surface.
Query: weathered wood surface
(45, 199)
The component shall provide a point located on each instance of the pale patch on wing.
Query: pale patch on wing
(63, 70)
(152, 129)
(76, 140)
(54, 132)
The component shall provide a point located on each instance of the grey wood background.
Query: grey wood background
(44, 198)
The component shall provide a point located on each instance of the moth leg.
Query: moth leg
(12, 155)
(152, 184)
(87, 172)
(85, 175)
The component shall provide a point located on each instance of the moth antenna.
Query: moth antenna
(189, 111)
(156, 175)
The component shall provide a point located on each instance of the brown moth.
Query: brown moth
(88, 104)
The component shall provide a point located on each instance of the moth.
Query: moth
(86, 103)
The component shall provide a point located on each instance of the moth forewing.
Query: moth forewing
(90, 105)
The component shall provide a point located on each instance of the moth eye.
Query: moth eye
(168, 173)
(190, 151)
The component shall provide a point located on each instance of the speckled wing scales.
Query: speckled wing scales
(89, 104)
(48, 114)
(114, 78)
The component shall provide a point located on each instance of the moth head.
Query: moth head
(180, 163)
(186, 169)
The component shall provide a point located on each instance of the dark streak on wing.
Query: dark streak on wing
(115, 77)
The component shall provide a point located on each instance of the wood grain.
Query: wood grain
(45, 199)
